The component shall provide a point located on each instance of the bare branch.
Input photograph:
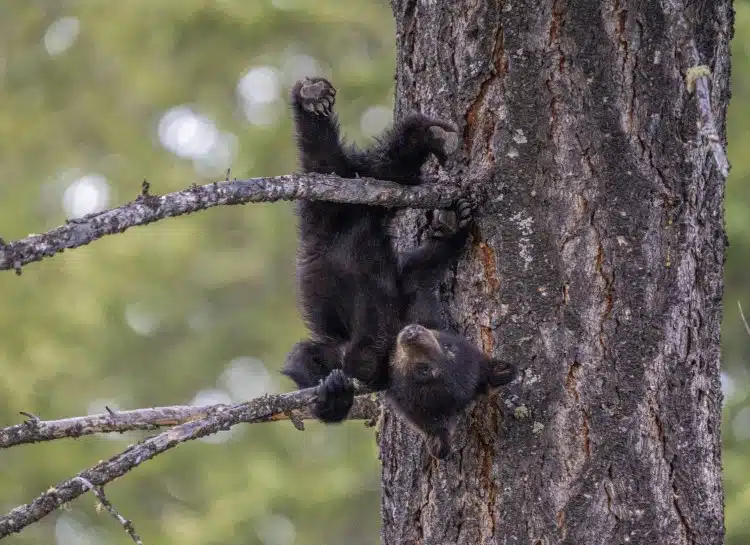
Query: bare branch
(127, 524)
(697, 80)
(148, 208)
(742, 315)
(258, 410)
(35, 430)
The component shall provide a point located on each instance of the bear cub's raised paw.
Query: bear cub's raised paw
(315, 95)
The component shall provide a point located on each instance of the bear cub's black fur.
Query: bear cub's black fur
(355, 291)
(352, 284)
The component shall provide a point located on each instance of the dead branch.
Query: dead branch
(98, 491)
(35, 430)
(742, 316)
(148, 208)
(258, 410)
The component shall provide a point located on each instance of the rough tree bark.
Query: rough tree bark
(596, 266)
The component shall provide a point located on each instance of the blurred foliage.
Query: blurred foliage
(95, 96)
(196, 309)
(735, 337)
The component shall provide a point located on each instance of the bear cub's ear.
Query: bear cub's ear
(501, 372)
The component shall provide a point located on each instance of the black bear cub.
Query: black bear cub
(435, 375)
(356, 293)
(350, 278)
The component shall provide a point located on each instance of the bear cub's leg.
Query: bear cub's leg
(317, 129)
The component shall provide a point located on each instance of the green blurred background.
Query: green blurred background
(95, 96)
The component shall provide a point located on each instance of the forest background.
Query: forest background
(97, 96)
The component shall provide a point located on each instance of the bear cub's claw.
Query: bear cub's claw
(448, 222)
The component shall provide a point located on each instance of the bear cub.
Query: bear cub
(356, 292)
(352, 284)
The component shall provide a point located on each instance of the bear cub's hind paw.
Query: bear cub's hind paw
(448, 222)
(315, 95)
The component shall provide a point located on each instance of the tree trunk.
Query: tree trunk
(596, 266)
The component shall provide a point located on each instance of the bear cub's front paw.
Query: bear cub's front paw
(443, 138)
(335, 397)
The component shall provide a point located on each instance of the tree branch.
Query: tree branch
(742, 315)
(98, 491)
(34, 430)
(149, 208)
(258, 410)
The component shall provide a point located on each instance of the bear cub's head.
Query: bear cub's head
(434, 376)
